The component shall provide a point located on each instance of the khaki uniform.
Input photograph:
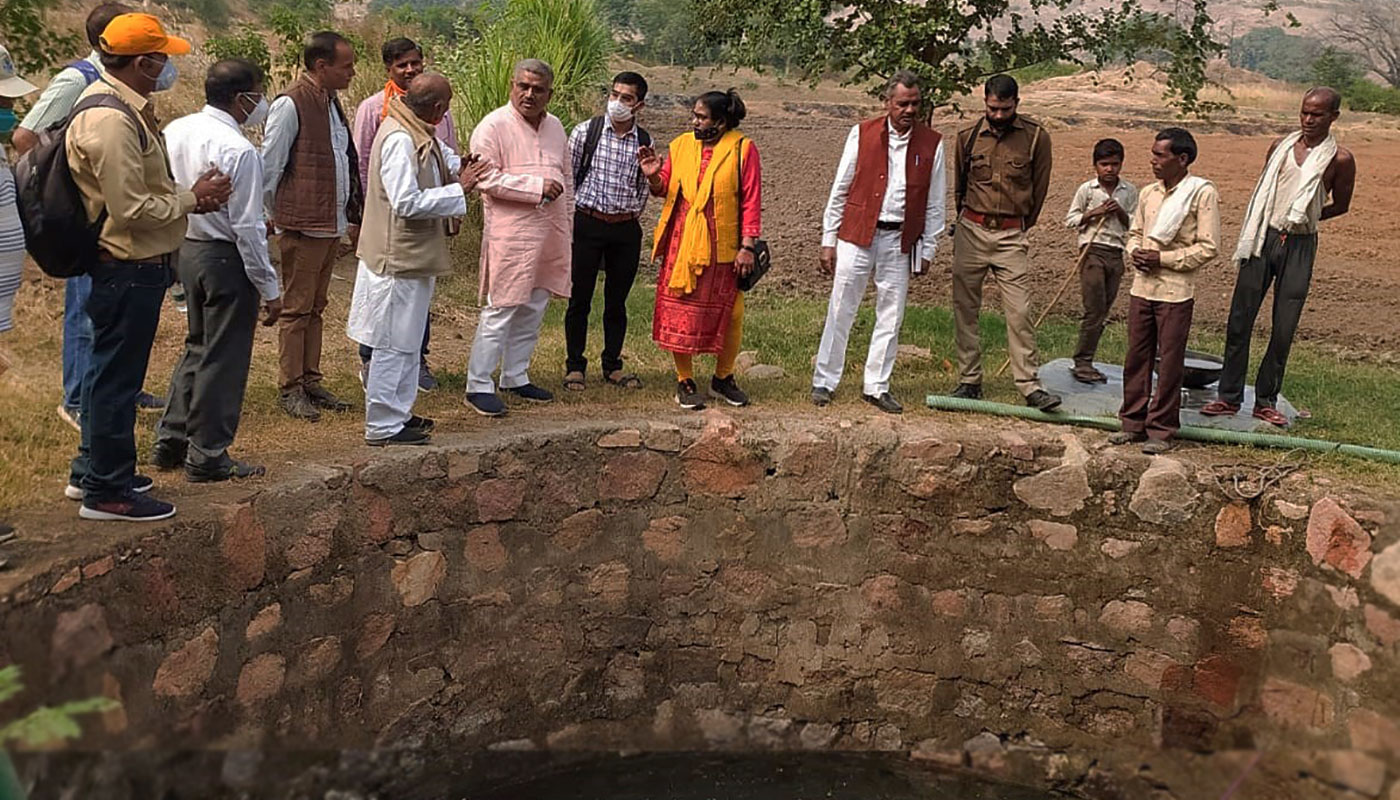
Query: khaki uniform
(1007, 178)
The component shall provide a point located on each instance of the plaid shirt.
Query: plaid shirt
(614, 183)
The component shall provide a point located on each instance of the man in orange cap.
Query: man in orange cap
(120, 165)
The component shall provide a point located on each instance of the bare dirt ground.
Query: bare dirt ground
(1356, 282)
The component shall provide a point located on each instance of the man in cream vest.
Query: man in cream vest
(411, 205)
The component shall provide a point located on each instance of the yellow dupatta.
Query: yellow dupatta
(695, 251)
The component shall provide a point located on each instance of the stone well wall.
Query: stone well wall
(1020, 603)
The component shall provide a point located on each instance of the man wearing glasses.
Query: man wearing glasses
(227, 274)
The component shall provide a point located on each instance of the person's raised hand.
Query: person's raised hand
(828, 261)
(649, 161)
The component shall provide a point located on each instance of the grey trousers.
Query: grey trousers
(206, 391)
(1287, 263)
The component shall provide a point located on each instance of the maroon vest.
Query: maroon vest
(867, 192)
(305, 199)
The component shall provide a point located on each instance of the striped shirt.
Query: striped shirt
(11, 245)
(614, 183)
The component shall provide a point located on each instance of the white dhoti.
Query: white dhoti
(506, 338)
(854, 266)
(389, 313)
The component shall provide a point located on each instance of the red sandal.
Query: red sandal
(1271, 415)
(1219, 408)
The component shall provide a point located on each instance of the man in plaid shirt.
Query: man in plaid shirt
(609, 195)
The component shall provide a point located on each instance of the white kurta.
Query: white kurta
(389, 313)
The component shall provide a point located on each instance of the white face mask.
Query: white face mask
(258, 115)
(619, 111)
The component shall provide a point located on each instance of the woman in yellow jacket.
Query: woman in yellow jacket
(712, 218)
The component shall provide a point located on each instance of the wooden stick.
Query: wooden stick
(1079, 264)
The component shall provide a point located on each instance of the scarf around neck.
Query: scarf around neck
(696, 250)
(391, 91)
(1256, 224)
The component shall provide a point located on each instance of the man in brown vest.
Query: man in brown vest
(1003, 175)
(886, 210)
(411, 207)
(314, 198)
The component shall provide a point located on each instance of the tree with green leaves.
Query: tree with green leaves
(33, 43)
(954, 45)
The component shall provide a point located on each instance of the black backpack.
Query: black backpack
(590, 144)
(57, 232)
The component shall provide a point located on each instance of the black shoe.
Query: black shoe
(145, 401)
(296, 405)
(407, 435)
(885, 402)
(487, 404)
(727, 390)
(420, 424)
(688, 395)
(532, 393)
(168, 456)
(1043, 400)
(131, 508)
(967, 391)
(229, 470)
(320, 397)
(1126, 437)
(821, 397)
(426, 381)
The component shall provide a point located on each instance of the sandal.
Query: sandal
(574, 382)
(1219, 408)
(623, 380)
(1271, 415)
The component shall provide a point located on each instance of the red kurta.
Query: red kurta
(696, 322)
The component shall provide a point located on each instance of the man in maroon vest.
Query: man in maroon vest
(312, 176)
(886, 210)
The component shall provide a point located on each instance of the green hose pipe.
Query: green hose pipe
(1191, 433)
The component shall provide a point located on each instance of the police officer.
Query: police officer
(1003, 173)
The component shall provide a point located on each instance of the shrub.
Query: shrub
(571, 35)
(248, 42)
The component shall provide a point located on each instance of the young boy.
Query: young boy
(1100, 211)
(1174, 232)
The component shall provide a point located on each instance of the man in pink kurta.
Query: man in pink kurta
(527, 199)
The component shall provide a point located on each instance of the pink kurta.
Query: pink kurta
(523, 246)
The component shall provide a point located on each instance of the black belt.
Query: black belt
(107, 259)
(889, 226)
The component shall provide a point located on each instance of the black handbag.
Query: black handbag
(762, 253)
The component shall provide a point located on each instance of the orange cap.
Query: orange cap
(138, 34)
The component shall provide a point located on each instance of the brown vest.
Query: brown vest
(304, 200)
(867, 192)
(390, 244)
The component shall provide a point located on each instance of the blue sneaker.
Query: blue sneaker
(487, 404)
(532, 393)
(131, 508)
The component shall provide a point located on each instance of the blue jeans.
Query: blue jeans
(77, 339)
(125, 310)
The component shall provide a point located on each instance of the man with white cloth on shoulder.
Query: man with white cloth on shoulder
(411, 205)
(1175, 231)
(1278, 244)
(886, 210)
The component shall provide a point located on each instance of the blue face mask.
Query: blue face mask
(8, 121)
(167, 76)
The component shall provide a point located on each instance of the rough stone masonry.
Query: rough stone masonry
(1006, 601)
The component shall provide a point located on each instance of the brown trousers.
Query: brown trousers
(1005, 254)
(1099, 279)
(306, 280)
(1155, 330)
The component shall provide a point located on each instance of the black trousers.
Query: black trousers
(206, 391)
(125, 310)
(615, 249)
(1287, 263)
(367, 352)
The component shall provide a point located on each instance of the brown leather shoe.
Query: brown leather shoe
(320, 397)
(297, 406)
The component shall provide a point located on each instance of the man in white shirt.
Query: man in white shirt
(416, 188)
(314, 198)
(226, 272)
(886, 210)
